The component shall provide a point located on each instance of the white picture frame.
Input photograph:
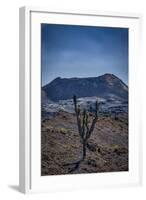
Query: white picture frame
(29, 159)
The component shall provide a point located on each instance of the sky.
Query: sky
(83, 51)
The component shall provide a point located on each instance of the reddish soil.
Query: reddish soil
(107, 147)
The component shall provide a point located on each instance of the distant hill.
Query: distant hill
(105, 86)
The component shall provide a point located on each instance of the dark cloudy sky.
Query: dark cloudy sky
(83, 51)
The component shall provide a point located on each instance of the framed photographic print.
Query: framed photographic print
(79, 103)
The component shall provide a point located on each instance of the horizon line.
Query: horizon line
(59, 77)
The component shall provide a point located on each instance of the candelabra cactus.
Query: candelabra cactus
(83, 123)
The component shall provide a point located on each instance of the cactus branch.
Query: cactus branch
(94, 121)
(77, 111)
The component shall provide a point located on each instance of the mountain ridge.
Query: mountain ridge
(106, 86)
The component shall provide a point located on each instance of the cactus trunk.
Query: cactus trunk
(84, 150)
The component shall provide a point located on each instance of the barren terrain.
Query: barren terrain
(107, 147)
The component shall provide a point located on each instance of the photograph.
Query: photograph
(84, 99)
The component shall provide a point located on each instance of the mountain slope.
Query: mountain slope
(106, 86)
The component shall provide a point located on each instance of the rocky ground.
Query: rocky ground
(107, 147)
